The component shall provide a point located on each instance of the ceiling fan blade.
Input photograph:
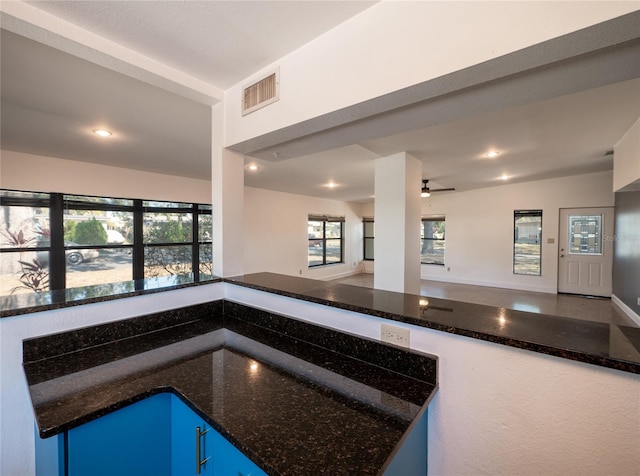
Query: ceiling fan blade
(443, 190)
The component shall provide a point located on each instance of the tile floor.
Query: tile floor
(577, 307)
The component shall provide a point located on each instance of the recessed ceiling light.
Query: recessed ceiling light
(252, 167)
(332, 184)
(504, 177)
(102, 132)
(493, 154)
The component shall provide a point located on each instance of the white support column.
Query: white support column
(397, 218)
(227, 188)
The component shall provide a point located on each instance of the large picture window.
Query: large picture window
(527, 242)
(57, 241)
(432, 236)
(325, 240)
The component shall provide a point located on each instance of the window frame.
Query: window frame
(58, 203)
(437, 218)
(325, 219)
(366, 238)
(521, 214)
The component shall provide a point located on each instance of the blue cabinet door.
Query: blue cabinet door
(411, 457)
(216, 455)
(154, 437)
(191, 442)
(134, 440)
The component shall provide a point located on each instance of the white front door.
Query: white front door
(585, 259)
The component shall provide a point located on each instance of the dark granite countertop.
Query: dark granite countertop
(263, 381)
(607, 345)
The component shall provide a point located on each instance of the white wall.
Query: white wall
(479, 228)
(626, 158)
(17, 457)
(37, 173)
(276, 238)
(501, 410)
(400, 44)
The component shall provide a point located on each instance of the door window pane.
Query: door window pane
(585, 234)
(527, 242)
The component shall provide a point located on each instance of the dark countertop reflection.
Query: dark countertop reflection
(608, 345)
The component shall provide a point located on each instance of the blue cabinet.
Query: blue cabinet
(157, 436)
(192, 442)
(197, 447)
(411, 457)
(132, 440)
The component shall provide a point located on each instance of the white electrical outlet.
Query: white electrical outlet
(394, 335)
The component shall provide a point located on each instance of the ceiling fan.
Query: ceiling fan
(426, 191)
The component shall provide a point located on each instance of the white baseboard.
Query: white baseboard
(491, 284)
(626, 309)
(339, 275)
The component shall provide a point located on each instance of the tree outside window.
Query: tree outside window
(432, 241)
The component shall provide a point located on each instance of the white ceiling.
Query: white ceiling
(52, 100)
(219, 42)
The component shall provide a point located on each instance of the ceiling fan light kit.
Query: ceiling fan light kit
(426, 191)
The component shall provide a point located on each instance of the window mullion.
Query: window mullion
(324, 242)
(138, 244)
(57, 265)
(195, 239)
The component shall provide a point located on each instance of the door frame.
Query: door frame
(607, 231)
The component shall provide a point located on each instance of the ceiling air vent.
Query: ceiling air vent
(261, 93)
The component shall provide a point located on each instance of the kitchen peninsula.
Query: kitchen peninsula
(292, 397)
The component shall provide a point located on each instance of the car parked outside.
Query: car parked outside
(73, 257)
